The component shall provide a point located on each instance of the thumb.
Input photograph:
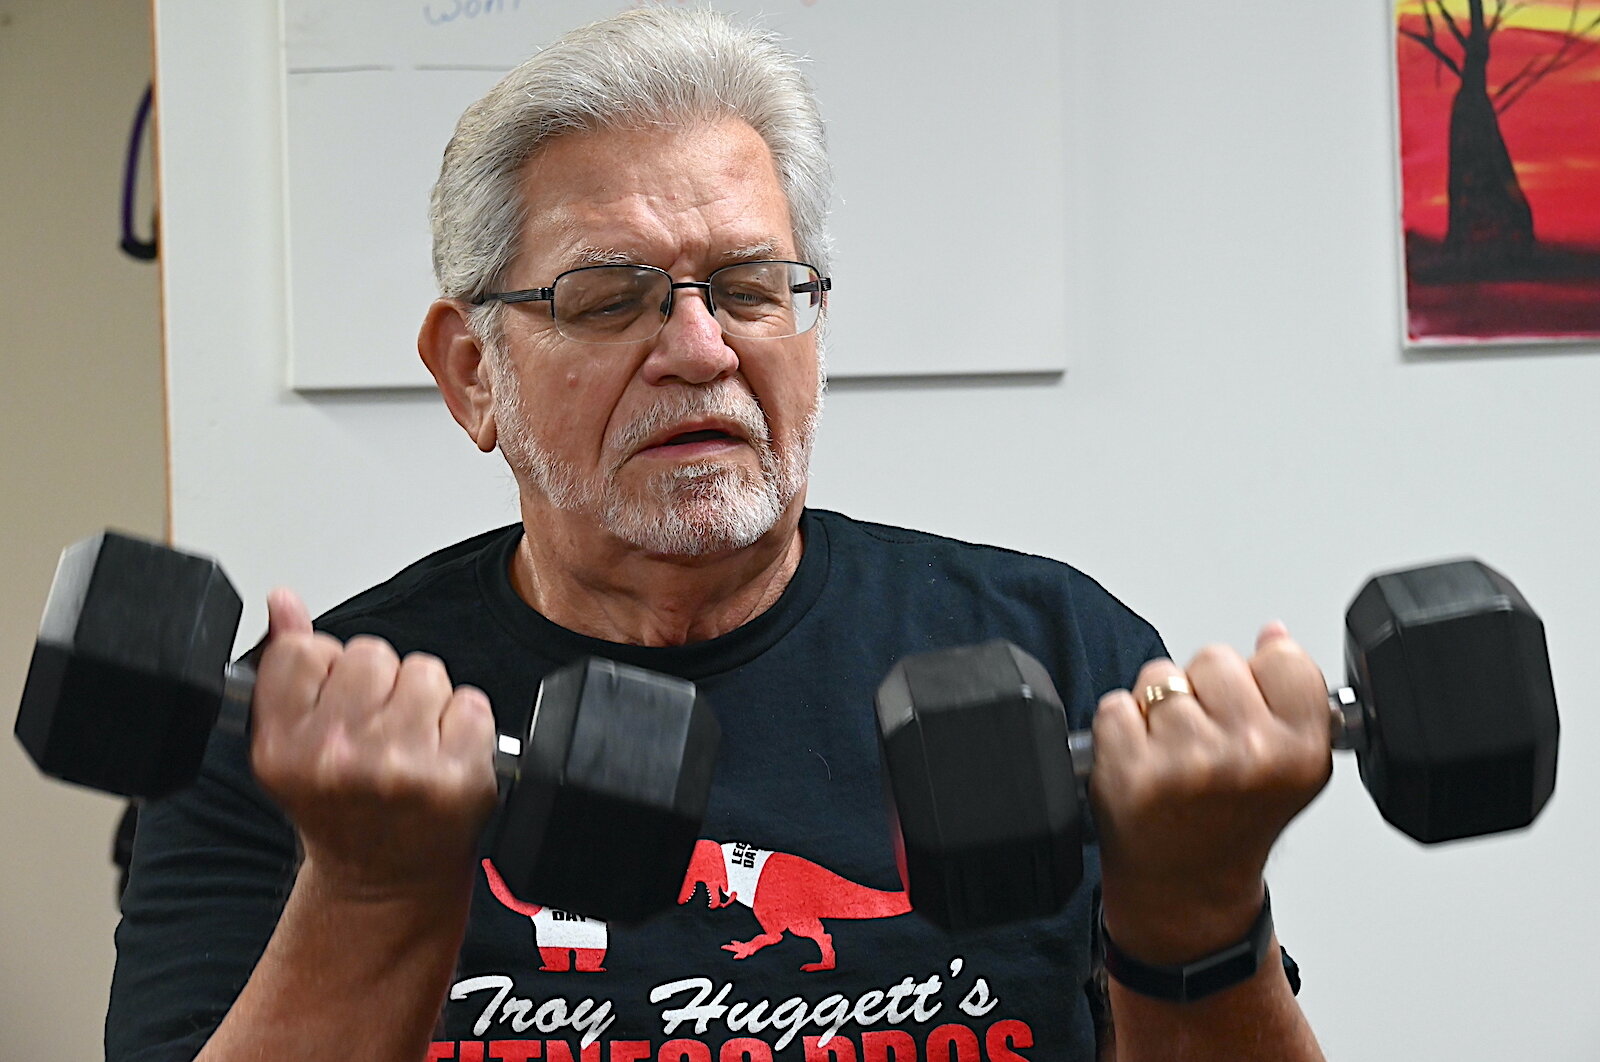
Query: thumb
(1271, 632)
(286, 614)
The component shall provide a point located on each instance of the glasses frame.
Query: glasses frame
(820, 286)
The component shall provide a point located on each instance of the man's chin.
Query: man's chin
(693, 534)
(698, 518)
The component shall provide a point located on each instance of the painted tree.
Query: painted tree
(1489, 217)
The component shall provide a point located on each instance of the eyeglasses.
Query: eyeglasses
(631, 303)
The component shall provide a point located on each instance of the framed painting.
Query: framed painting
(1499, 108)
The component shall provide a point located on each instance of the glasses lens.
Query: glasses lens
(766, 300)
(610, 304)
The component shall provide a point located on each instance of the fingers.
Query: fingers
(1290, 681)
(1280, 680)
(466, 725)
(1183, 707)
(362, 681)
(1122, 747)
(1276, 698)
(1119, 722)
(309, 680)
(1297, 692)
(1172, 715)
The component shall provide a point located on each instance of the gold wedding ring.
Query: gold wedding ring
(1157, 692)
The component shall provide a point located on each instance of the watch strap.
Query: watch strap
(1205, 976)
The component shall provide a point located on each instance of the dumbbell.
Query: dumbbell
(1449, 707)
(602, 794)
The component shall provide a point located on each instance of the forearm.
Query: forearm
(347, 975)
(1192, 786)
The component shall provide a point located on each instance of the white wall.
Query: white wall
(80, 447)
(1239, 437)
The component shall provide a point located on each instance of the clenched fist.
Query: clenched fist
(1191, 791)
(385, 769)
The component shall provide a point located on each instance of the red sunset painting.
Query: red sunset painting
(1500, 169)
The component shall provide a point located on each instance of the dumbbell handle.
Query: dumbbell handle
(1347, 729)
(239, 687)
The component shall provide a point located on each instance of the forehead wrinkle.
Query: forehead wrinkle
(615, 197)
(625, 231)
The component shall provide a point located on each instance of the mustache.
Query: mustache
(727, 401)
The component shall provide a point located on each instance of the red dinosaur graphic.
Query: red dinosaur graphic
(566, 941)
(787, 894)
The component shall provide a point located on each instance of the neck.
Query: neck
(589, 581)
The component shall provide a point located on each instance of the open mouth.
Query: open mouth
(708, 435)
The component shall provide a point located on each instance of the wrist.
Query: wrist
(407, 902)
(1173, 926)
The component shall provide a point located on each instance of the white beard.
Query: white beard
(687, 510)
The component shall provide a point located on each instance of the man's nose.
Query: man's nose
(691, 347)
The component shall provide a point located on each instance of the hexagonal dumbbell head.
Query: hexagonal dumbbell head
(613, 784)
(127, 674)
(975, 747)
(1451, 664)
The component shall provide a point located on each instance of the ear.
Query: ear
(455, 358)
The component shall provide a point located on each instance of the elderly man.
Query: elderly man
(629, 244)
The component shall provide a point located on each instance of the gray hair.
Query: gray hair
(648, 66)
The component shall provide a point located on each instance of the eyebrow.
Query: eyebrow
(588, 255)
(753, 252)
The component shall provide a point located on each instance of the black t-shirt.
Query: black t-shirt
(810, 953)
